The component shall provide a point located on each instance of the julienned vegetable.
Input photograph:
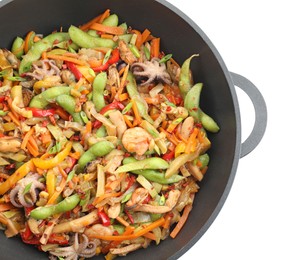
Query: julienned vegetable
(102, 136)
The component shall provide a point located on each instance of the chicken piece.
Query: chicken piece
(126, 54)
(138, 196)
(114, 210)
(136, 140)
(10, 145)
(99, 230)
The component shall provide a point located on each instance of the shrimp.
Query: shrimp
(136, 140)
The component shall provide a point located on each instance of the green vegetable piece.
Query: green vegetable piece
(68, 103)
(165, 58)
(147, 53)
(149, 163)
(192, 104)
(112, 20)
(98, 90)
(204, 159)
(18, 47)
(101, 132)
(124, 26)
(125, 37)
(153, 175)
(93, 33)
(185, 81)
(97, 150)
(134, 94)
(65, 205)
(84, 117)
(134, 50)
(48, 96)
(84, 40)
(38, 48)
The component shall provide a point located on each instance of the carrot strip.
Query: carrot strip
(26, 138)
(33, 144)
(135, 235)
(107, 36)
(155, 47)
(105, 196)
(171, 137)
(136, 112)
(150, 236)
(123, 81)
(98, 18)
(138, 42)
(191, 141)
(75, 155)
(5, 207)
(113, 93)
(127, 121)
(26, 41)
(104, 16)
(62, 172)
(146, 33)
(123, 97)
(57, 192)
(183, 219)
(65, 58)
(32, 150)
(108, 29)
(62, 113)
(122, 221)
(46, 137)
(164, 124)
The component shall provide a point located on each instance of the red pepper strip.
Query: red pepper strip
(129, 216)
(28, 210)
(57, 239)
(114, 58)
(36, 112)
(28, 237)
(96, 124)
(72, 67)
(104, 219)
(169, 156)
(114, 105)
(2, 98)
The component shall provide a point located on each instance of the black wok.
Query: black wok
(181, 37)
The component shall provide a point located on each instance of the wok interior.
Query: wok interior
(177, 37)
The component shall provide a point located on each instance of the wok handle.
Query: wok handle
(260, 108)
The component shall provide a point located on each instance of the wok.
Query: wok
(181, 37)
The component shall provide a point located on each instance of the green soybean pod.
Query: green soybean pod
(98, 89)
(154, 163)
(204, 159)
(67, 204)
(185, 82)
(97, 150)
(18, 47)
(112, 20)
(42, 212)
(45, 98)
(101, 132)
(38, 48)
(84, 40)
(68, 103)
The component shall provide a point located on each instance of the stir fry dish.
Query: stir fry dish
(102, 140)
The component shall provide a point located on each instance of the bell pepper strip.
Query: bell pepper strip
(58, 239)
(2, 98)
(169, 156)
(114, 105)
(104, 219)
(48, 164)
(16, 176)
(36, 112)
(114, 58)
(135, 235)
(72, 67)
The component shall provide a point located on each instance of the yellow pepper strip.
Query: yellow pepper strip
(87, 73)
(49, 164)
(180, 148)
(16, 176)
(51, 182)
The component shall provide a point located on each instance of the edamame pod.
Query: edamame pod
(185, 82)
(97, 150)
(153, 175)
(84, 40)
(98, 89)
(154, 163)
(192, 104)
(38, 48)
(65, 205)
(18, 47)
(68, 103)
(45, 98)
(111, 20)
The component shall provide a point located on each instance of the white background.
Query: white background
(260, 40)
